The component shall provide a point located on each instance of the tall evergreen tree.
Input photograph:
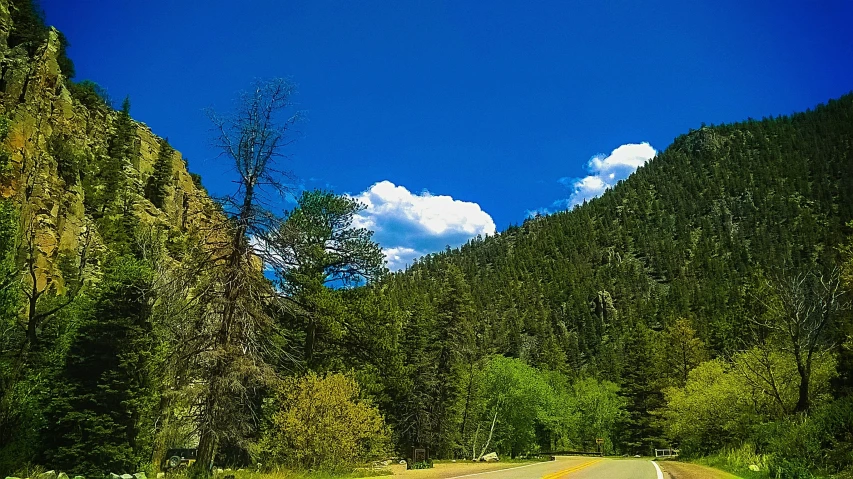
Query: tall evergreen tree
(318, 246)
(100, 407)
(159, 182)
(106, 183)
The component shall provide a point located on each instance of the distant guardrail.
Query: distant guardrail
(668, 452)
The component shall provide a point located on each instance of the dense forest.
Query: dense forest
(701, 304)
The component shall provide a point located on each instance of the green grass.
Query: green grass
(737, 461)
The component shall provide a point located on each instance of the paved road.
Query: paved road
(576, 468)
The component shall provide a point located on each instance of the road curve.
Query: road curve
(575, 468)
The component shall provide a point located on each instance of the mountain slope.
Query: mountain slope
(693, 234)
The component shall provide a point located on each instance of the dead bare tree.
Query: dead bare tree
(232, 356)
(800, 315)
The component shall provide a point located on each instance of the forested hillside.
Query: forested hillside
(678, 264)
(703, 303)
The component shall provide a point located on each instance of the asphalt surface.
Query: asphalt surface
(576, 468)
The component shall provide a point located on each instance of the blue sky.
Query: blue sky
(496, 109)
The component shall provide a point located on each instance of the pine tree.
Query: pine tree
(159, 182)
(104, 185)
(100, 406)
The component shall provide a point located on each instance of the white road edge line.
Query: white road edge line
(660, 473)
(501, 470)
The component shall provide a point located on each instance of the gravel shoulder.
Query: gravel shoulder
(684, 470)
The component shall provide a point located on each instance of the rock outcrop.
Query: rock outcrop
(38, 112)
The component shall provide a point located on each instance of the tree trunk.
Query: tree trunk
(160, 446)
(310, 333)
(491, 432)
(467, 403)
(210, 421)
(205, 453)
(803, 402)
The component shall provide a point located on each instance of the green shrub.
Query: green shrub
(197, 181)
(66, 66)
(5, 126)
(68, 159)
(28, 26)
(785, 468)
(319, 422)
(821, 441)
(90, 94)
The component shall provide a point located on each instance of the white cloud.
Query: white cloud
(408, 226)
(607, 170)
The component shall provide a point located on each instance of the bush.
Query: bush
(319, 422)
(68, 159)
(197, 181)
(28, 27)
(90, 94)
(821, 441)
(711, 411)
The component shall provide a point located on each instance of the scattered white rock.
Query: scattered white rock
(62, 475)
(161, 475)
(139, 475)
(754, 467)
(490, 457)
(114, 476)
(126, 476)
(47, 475)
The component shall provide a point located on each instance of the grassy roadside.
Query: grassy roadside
(687, 470)
(737, 465)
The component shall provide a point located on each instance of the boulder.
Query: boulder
(126, 476)
(490, 457)
(754, 467)
(114, 476)
(402, 462)
(139, 475)
(161, 475)
(47, 475)
(62, 475)
(12, 477)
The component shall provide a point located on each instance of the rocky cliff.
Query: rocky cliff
(52, 140)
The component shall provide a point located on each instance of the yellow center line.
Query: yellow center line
(567, 471)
